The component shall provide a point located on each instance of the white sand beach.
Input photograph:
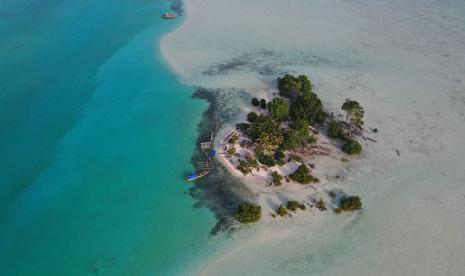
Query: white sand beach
(404, 61)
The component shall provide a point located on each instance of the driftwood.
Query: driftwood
(368, 138)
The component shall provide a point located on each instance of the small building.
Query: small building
(169, 15)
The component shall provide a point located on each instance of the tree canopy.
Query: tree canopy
(255, 102)
(252, 116)
(302, 175)
(354, 112)
(266, 133)
(350, 203)
(290, 86)
(352, 147)
(248, 212)
(307, 107)
(279, 109)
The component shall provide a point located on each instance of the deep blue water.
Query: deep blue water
(96, 136)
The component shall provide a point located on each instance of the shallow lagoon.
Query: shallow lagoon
(97, 135)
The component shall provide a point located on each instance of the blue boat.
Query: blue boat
(196, 176)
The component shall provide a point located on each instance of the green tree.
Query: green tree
(263, 103)
(354, 112)
(266, 160)
(247, 212)
(289, 86)
(352, 147)
(302, 175)
(335, 130)
(279, 109)
(252, 117)
(277, 178)
(231, 151)
(301, 126)
(266, 133)
(293, 205)
(281, 211)
(291, 140)
(350, 203)
(305, 83)
(307, 107)
(255, 102)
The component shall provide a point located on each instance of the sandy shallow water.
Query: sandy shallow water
(405, 62)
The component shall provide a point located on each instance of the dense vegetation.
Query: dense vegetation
(248, 212)
(266, 160)
(302, 175)
(276, 178)
(352, 147)
(290, 86)
(279, 109)
(335, 130)
(252, 117)
(266, 133)
(281, 211)
(350, 203)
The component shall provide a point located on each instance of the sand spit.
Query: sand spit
(404, 61)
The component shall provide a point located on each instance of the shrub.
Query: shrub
(248, 212)
(335, 130)
(246, 166)
(302, 175)
(255, 102)
(352, 147)
(266, 160)
(231, 151)
(277, 178)
(332, 194)
(263, 103)
(321, 205)
(233, 140)
(243, 167)
(252, 117)
(281, 211)
(290, 140)
(292, 205)
(350, 203)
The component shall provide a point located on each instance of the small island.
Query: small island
(280, 136)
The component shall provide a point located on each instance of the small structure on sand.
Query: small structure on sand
(169, 15)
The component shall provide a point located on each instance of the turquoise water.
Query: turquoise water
(96, 136)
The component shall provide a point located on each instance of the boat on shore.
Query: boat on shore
(169, 15)
(196, 176)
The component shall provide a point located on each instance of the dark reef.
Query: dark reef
(220, 191)
(177, 6)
